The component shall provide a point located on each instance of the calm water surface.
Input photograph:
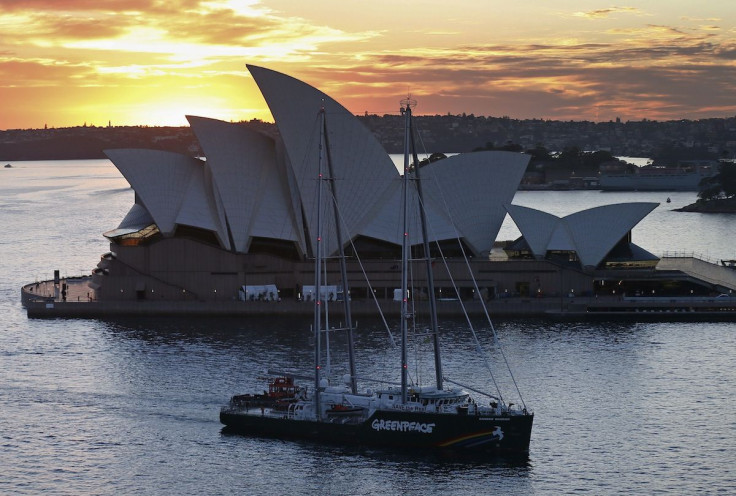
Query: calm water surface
(131, 406)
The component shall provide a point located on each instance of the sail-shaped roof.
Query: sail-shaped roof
(469, 190)
(597, 229)
(248, 182)
(256, 186)
(360, 165)
(591, 233)
(170, 186)
(535, 225)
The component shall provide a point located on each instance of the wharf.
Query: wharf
(700, 269)
(40, 302)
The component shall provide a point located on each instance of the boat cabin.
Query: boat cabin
(429, 399)
(283, 387)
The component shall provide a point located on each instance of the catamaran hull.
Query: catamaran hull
(504, 434)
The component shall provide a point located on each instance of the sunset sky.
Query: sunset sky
(128, 62)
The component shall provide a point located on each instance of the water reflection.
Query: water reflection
(328, 469)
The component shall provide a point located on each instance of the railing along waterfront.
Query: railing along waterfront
(691, 254)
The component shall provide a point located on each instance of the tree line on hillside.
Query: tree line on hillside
(571, 158)
(722, 185)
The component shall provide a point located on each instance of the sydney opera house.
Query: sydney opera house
(234, 232)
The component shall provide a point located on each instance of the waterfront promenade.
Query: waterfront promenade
(42, 299)
(709, 271)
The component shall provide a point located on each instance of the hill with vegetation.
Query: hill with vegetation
(717, 193)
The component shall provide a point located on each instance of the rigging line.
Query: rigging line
(341, 220)
(319, 252)
(479, 348)
(328, 360)
(477, 290)
(428, 262)
(380, 381)
(424, 147)
(419, 339)
(308, 215)
(343, 265)
(465, 386)
(414, 333)
(488, 317)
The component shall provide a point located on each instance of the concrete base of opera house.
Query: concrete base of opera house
(40, 301)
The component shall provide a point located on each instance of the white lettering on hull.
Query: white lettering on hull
(401, 426)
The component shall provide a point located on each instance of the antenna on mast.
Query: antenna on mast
(408, 103)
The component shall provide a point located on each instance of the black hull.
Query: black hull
(482, 434)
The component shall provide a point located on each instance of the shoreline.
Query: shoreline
(718, 206)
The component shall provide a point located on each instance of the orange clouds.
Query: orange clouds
(531, 60)
(603, 13)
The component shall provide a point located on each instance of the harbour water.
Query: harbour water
(131, 406)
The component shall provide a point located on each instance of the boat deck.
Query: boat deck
(283, 414)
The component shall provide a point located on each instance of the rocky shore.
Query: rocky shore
(718, 206)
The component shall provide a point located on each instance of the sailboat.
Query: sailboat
(442, 416)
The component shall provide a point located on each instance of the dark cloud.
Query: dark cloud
(96, 5)
(662, 80)
(602, 13)
(654, 71)
(726, 52)
(222, 27)
(75, 28)
(38, 73)
(186, 20)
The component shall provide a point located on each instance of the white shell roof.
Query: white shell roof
(591, 233)
(360, 164)
(248, 183)
(137, 218)
(251, 185)
(536, 226)
(170, 186)
(472, 188)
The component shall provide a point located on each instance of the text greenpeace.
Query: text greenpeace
(401, 426)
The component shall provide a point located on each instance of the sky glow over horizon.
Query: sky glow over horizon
(151, 62)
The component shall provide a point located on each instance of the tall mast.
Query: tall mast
(428, 263)
(318, 278)
(406, 110)
(343, 264)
